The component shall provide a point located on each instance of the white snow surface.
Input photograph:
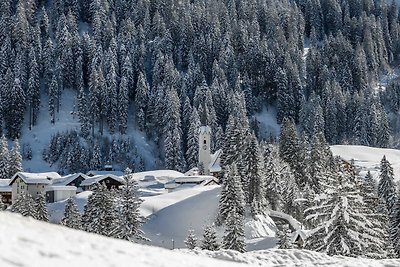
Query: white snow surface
(293, 257)
(29, 243)
(369, 158)
(268, 125)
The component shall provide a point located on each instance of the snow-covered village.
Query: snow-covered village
(199, 133)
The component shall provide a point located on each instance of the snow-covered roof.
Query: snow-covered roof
(35, 178)
(301, 233)
(115, 173)
(68, 179)
(98, 178)
(193, 179)
(4, 185)
(214, 165)
(60, 188)
(160, 175)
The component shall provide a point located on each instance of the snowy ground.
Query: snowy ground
(29, 243)
(368, 158)
(169, 216)
(293, 257)
(268, 125)
(25, 242)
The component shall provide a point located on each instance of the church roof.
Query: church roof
(214, 165)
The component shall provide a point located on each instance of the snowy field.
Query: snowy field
(368, 158)
(25, 242)
(169, 216)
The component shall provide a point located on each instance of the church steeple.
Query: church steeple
(205, 149)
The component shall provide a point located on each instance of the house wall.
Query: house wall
(35, 189)
(18, 187)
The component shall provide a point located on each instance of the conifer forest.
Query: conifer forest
(326, 70)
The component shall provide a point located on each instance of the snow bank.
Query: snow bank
(293, 257)
(26, 242)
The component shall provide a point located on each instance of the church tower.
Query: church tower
(205, 148)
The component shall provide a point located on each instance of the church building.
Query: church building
(209, 164)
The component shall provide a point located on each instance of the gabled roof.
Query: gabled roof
(35, 178)
(4, 185)
(214, 165)
(115, 173)
(98, 178)
(193, 179)
(63, 181)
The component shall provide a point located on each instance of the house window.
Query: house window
(205, 142)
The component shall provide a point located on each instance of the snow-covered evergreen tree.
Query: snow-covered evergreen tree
(129, 218)
(15, 158)
(386, 186)
(232, 198)
(209, 241)
(341, 227)
(72, 218)
(41, 211)
(284, 237)
(24, 204)
(4, 159)
(99, 214)
(234, 231)
(191, 240)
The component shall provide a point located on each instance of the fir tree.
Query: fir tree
(99, 214)
(191, 240)
(234, 231)
(284, 237)
(24, 204)
(15, 159)
(386, 187)
(4, 159)
(41, 212)
(209, 241)
(72, 218)
(129, 218)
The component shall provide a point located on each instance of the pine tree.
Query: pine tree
(192, 152)
(129, 218)
(24, 204)
(41, 212)
(4, 159)
(72, 218)
(209, 241)
(99, 214)
(341, 227)
(191, 240)
(232, 198)
(15, 157)
(386, 186)
(234, 231)
(284, 237)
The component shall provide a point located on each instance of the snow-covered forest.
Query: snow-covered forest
(165, 67)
